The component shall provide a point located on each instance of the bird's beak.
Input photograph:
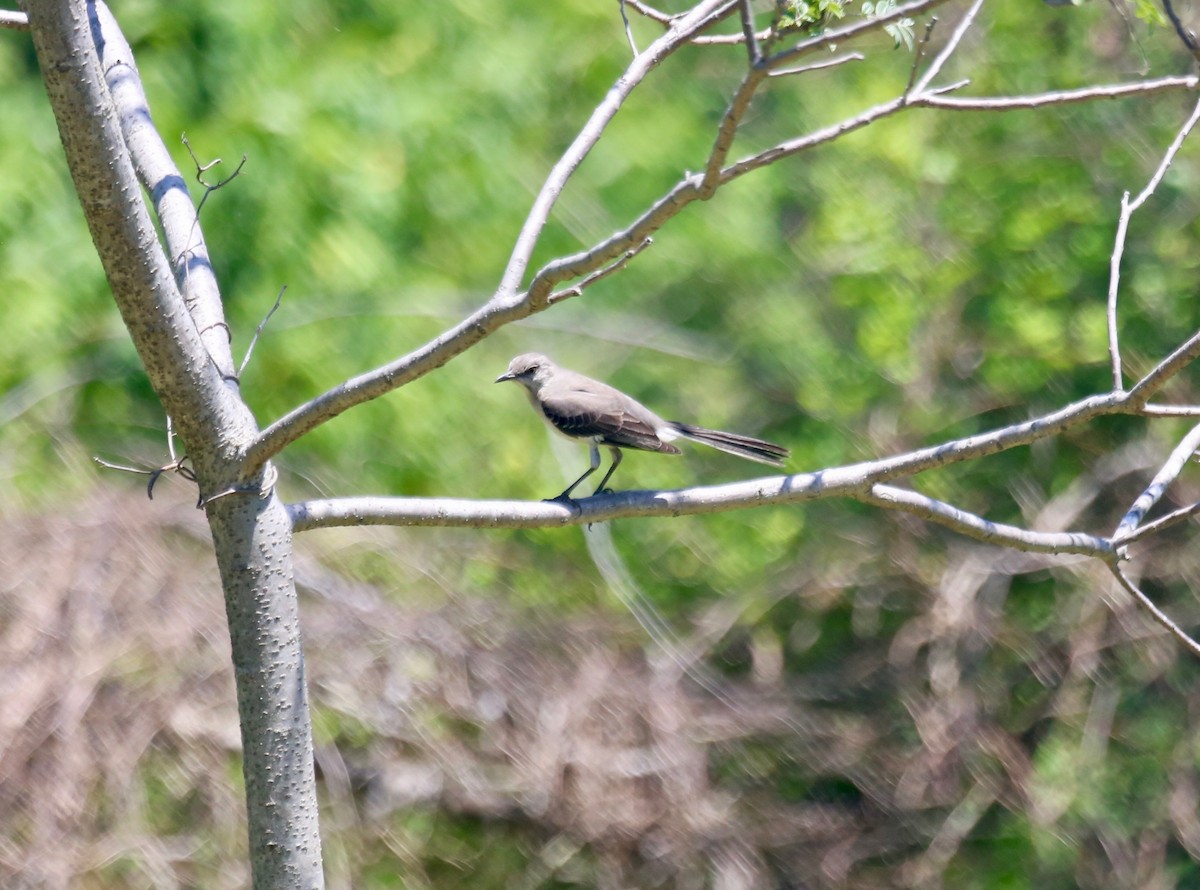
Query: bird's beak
(505, 376)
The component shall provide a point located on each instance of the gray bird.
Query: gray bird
(582, 408)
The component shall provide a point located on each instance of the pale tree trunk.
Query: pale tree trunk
(174, 316)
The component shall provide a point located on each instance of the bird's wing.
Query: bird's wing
(596, 411)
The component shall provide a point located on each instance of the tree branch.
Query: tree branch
(13, 20)
(187, 382)
(854, 480)
(1128, 208)
(1155, 612)
(1170, 471)
(1060, 97)
(167, 189)
(680, 32)
(506, 307)
(996, 533)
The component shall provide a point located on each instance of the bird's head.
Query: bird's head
(531, 370)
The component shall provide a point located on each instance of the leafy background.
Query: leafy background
(878, 702)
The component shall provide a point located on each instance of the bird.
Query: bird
(579, 407)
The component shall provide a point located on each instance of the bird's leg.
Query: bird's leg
(594, 454)
(616, 456)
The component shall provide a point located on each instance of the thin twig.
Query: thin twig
(1061, 97)
(628, 28)
(939, 61)
(1188, 38)
(175, 466)
(919, 54)
(1114, 282)
(577, 289)
(201, 169)
(650, 12)
(753, 50)
(1155, 612)
(1128, 208)
(727, 129)
(258, 330)
(1169, 472)
(817, 66)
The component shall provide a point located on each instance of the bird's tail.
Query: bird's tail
(732, 443)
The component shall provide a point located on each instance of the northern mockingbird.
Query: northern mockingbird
(582, 408)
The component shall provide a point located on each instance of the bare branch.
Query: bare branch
(13, 20)
(1161, 524)
(650, 12)
(1114, 282)
(507, 306)
(753, 50)
(919, 54)
(973, 526)
(1155, 612)
(620, 263)
(1188, 38)
(939, 62)
(727, 129)
(1170, 471)
(161, 325)
(1127, 210)
(851, 480)
(628, 29)
(1170, 411)
(1060, 97)
(817, 66)
(680, 32)
(1160, 374)
(167, 190)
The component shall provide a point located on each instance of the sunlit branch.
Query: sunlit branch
(681, 30)
(1161, 373)
(600, 274)
(165, 186)
(13, 20)
(1163, 523)
(1154, 491)
(1155, 612)
(850, 480)
(1060, 97)
(1128, 208)
(939, 61)
(973, 526)
(817, 66)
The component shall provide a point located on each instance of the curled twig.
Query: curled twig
(201, 169)
(175, 466)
